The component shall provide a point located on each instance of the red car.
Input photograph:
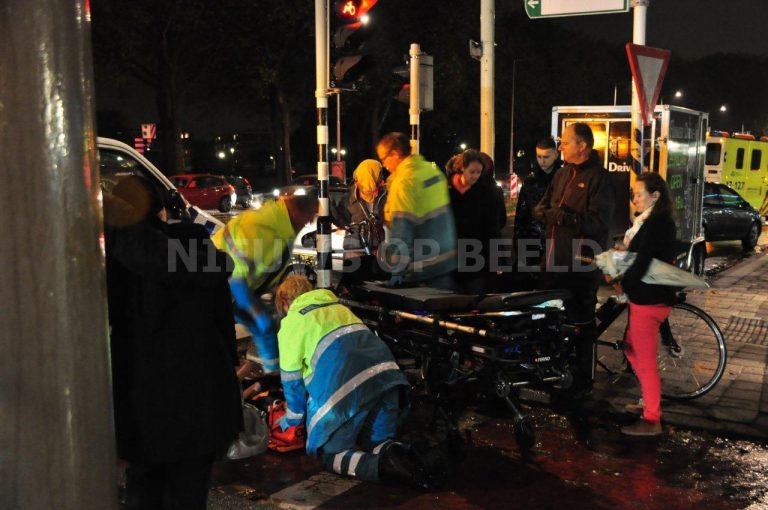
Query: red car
(206, 191)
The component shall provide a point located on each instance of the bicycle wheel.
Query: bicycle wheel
(692, 353)
(608, 358)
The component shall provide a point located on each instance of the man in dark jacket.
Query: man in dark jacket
(577, 210)
(530, 233)
(176, 396)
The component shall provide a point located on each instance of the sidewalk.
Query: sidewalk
(738, 405)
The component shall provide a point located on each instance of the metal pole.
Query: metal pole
(638, 37)
(56, 430)
(338, 126)
(487, 128)
(512, 123)
(321, 96)
(415, 98)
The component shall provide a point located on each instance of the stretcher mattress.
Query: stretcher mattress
(433, 300)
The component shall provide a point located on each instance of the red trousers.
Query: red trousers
(640, 348)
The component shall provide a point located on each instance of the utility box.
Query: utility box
(674, 145)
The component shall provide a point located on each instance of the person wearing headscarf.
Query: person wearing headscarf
(365, 203)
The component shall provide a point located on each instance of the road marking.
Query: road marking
(312, 492)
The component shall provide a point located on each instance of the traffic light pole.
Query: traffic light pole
(414, 110)
(321, 97)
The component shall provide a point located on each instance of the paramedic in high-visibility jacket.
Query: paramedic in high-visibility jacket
(342, 381)
(422, 241)
(260, 242)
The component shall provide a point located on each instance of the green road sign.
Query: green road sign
(559, 8)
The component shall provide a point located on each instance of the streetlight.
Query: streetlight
(679, 94)
(463, 146)
(222, 154)
(723, 108)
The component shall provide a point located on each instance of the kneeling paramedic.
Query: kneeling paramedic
(353, 384)
(260, 243)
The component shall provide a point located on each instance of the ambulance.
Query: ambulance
(740, 162)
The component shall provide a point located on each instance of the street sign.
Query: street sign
(149, 131)
(649, 65)
(559, 8)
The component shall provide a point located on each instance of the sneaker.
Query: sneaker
(643, 427)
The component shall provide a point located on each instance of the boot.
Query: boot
(397, 466)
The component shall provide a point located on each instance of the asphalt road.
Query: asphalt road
(580, 461)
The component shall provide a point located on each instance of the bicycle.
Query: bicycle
(692, 353)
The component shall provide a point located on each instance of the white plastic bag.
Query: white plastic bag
(254, 439)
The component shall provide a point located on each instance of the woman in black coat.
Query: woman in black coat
(652, 236)
(177, 399)
(477, 219)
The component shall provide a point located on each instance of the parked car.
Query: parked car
(728, 217)
(118, 160)
(243, 190)
(206, 190)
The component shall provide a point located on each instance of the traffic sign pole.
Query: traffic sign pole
(640, 8)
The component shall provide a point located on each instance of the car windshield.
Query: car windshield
(179, 182)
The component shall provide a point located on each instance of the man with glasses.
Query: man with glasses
(422, 243)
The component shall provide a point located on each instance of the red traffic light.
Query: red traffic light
(352, 9)
(348, 9)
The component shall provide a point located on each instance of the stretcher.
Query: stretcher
(496, 343)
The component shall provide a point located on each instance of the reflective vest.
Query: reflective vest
(331, 365)
(260, 242)
(418, 210)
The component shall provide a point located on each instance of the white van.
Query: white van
(118, 160)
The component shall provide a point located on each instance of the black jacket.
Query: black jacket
(476, 216)
(655, 239)
(577, 209)
(534, 186)
(173, 343)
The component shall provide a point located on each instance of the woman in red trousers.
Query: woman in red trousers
(652, 236)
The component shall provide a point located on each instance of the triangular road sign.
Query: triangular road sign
(648, 68)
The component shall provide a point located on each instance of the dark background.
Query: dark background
(246, 68)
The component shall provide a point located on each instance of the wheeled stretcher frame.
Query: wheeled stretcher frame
(497, 343)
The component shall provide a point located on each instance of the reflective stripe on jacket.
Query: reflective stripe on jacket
(330, 356)
(418, 210)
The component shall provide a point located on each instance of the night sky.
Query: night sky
(690, 28)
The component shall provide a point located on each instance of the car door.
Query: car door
(739, 211)
(214, 189)
(194, 192)
(715, 220)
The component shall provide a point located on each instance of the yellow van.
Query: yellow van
(741, 162)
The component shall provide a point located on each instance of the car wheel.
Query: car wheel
(749, 242)
(225, 205)
(698, 259)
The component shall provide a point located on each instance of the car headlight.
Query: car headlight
(275, 192)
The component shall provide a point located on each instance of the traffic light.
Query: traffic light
(350, 56)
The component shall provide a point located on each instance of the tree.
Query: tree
(168, 45)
